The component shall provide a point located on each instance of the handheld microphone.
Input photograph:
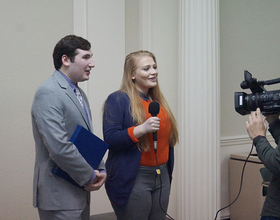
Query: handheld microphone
(154, 110)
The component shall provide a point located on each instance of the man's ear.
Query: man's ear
(65, 60)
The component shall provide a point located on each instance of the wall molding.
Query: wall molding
(240, 140)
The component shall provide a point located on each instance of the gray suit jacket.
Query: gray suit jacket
(56, 112)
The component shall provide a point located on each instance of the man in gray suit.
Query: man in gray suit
(59, 105)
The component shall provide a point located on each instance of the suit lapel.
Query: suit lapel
(70, 93)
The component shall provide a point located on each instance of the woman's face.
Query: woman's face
(145, 76)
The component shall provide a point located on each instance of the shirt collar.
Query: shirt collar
(73, 86)
(144, 96)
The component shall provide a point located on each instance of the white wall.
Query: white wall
(249, 41)
(29, 32)
(249, 38)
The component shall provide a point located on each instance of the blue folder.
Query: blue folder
(91, 147)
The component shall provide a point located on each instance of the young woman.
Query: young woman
(138, 182)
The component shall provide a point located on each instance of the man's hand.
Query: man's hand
(256, 124)
(97, 182)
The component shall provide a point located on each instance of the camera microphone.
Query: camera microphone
(154, 110)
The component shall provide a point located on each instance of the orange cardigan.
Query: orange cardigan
(163, 134)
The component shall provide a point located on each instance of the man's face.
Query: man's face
(79, 70)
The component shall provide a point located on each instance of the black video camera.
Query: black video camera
(267, 101)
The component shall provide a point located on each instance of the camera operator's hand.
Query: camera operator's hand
(256, 124)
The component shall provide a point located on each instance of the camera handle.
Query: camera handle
(254, 85)
(272, 81)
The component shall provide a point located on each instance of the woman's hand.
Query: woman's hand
(150, 125)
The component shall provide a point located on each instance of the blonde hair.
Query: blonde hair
(136, 106)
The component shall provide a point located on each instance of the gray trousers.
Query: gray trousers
(150, 192)
(79, 214)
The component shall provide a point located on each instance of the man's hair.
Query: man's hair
(68, 46)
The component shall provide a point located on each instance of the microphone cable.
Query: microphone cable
(154, 109)
(160, 190)
(241, 182)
